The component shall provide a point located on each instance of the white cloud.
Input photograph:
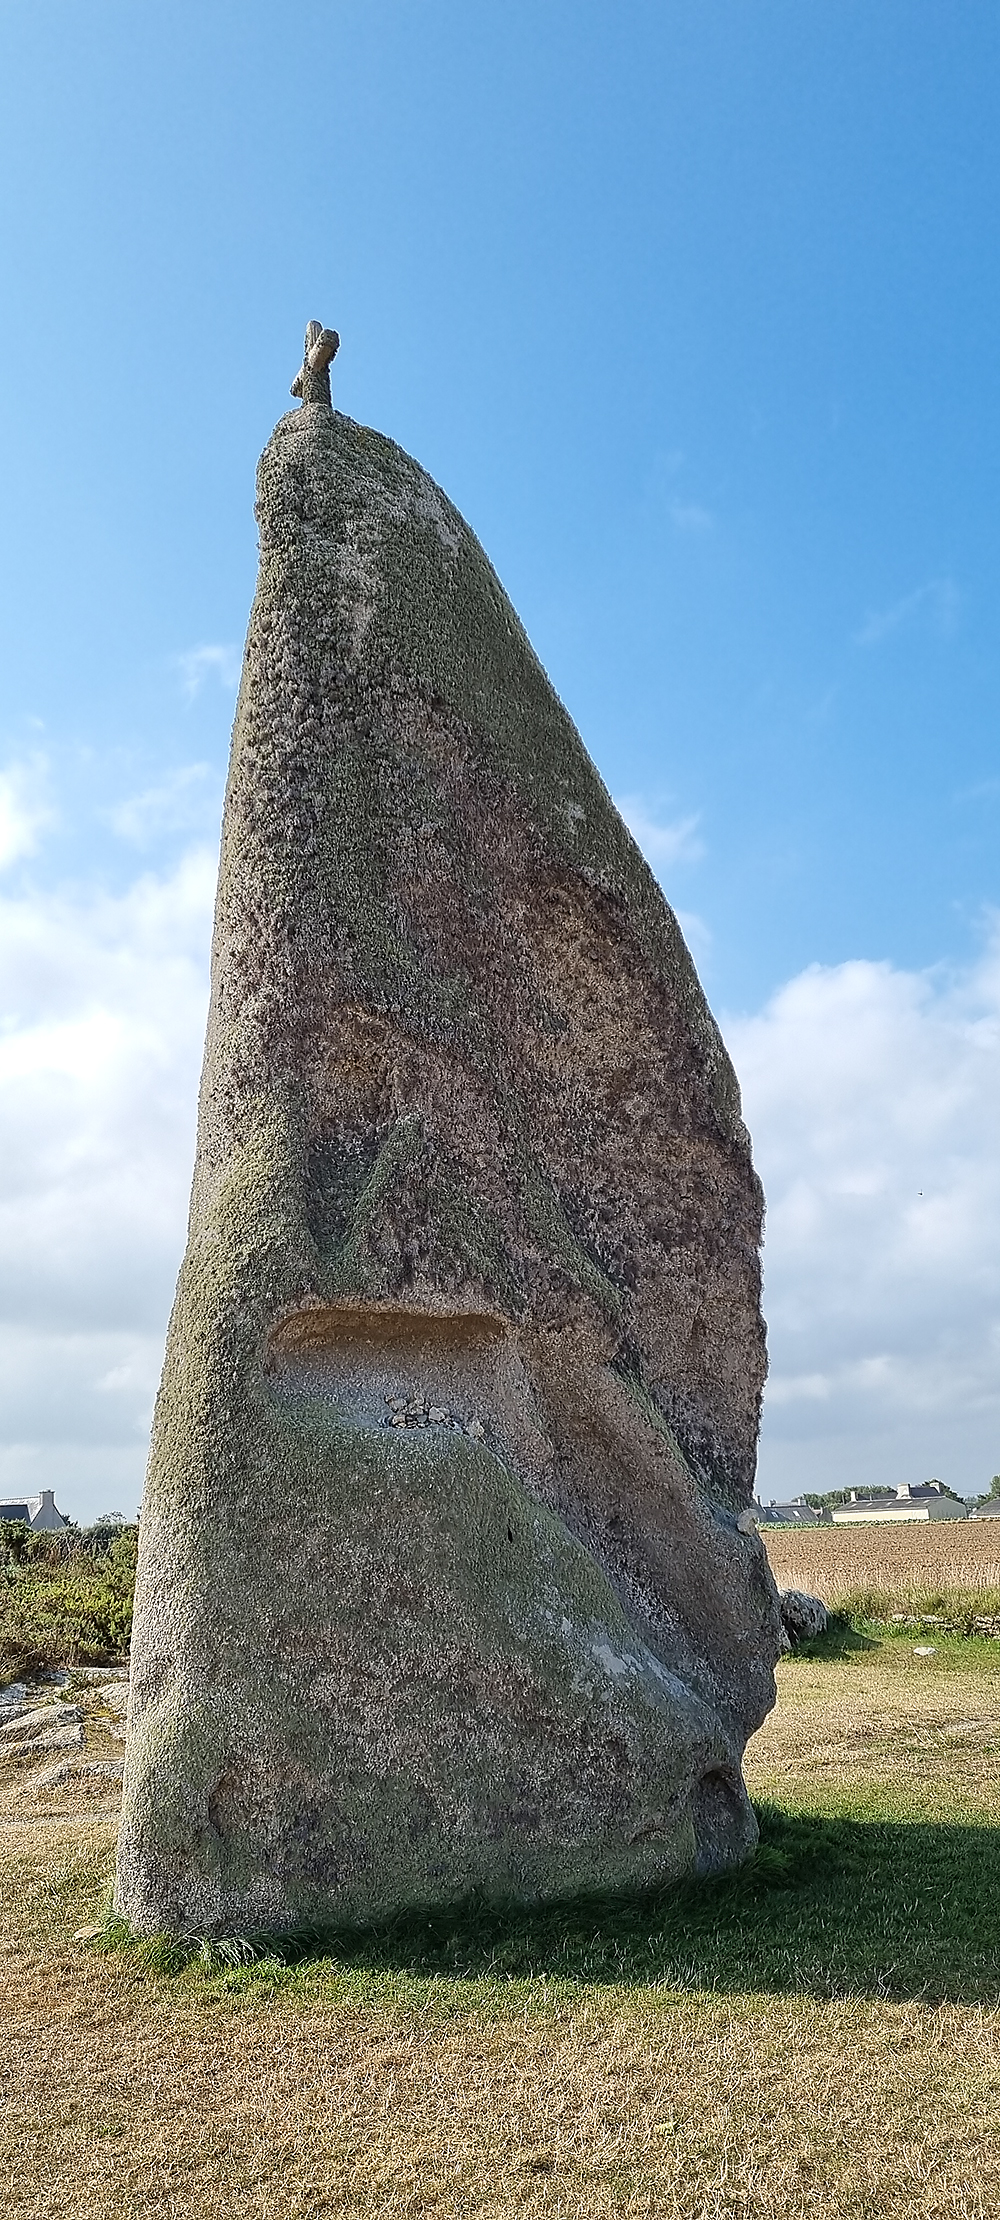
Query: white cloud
(871, 1093)
(937, 603)
(23, 813)
(102, 1012)
(663, 841)
(221, 661)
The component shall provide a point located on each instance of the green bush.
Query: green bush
(65, 1598)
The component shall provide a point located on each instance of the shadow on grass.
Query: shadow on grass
(827, 1907)
(841, 1637)
(850, 1632)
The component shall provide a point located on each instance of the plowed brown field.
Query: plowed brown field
(891, 1565)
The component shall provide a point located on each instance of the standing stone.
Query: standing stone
(447, 1580)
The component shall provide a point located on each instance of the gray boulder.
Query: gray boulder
(447, 1578)
(802, 1617)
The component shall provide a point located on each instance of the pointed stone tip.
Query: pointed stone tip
(313, 380)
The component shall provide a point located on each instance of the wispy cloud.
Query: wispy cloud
(181, 803)
(821, 710)
(197, 666)
(23, 810)
(985, 790)
(697, 934)
(937, 604)
(799, 1387)
(691, 516)
(662, 840)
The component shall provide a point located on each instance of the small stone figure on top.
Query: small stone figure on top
(313, 381)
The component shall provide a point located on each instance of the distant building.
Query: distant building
(787, 1514)
(988, 1510)
(895, 1505)
(37, 1511)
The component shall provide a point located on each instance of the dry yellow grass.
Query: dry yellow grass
(836, 1562)
(128, 2097)
(132, 2095)
(889, 1730)
(708, 2109)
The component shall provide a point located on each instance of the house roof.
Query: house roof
(39, 1511)
(919, 1492)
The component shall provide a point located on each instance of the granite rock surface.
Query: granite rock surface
(446, 1581)
(802, 1617)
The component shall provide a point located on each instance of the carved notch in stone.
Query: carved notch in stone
(313, 381)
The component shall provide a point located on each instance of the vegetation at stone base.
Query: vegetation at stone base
(65, 1597)
(947, 1573)
(820, 2033)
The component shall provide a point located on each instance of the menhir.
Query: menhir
(447, 1576)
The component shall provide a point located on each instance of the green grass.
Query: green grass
(841, 1904)
(968, 1611)
(879, 1877)
(854, 1633)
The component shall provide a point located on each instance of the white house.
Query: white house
(926, 1501)
(37, 1511)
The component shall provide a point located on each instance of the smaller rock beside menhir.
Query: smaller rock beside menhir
(448, 1580)
(803, 1617)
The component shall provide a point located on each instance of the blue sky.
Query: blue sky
(692, 308)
